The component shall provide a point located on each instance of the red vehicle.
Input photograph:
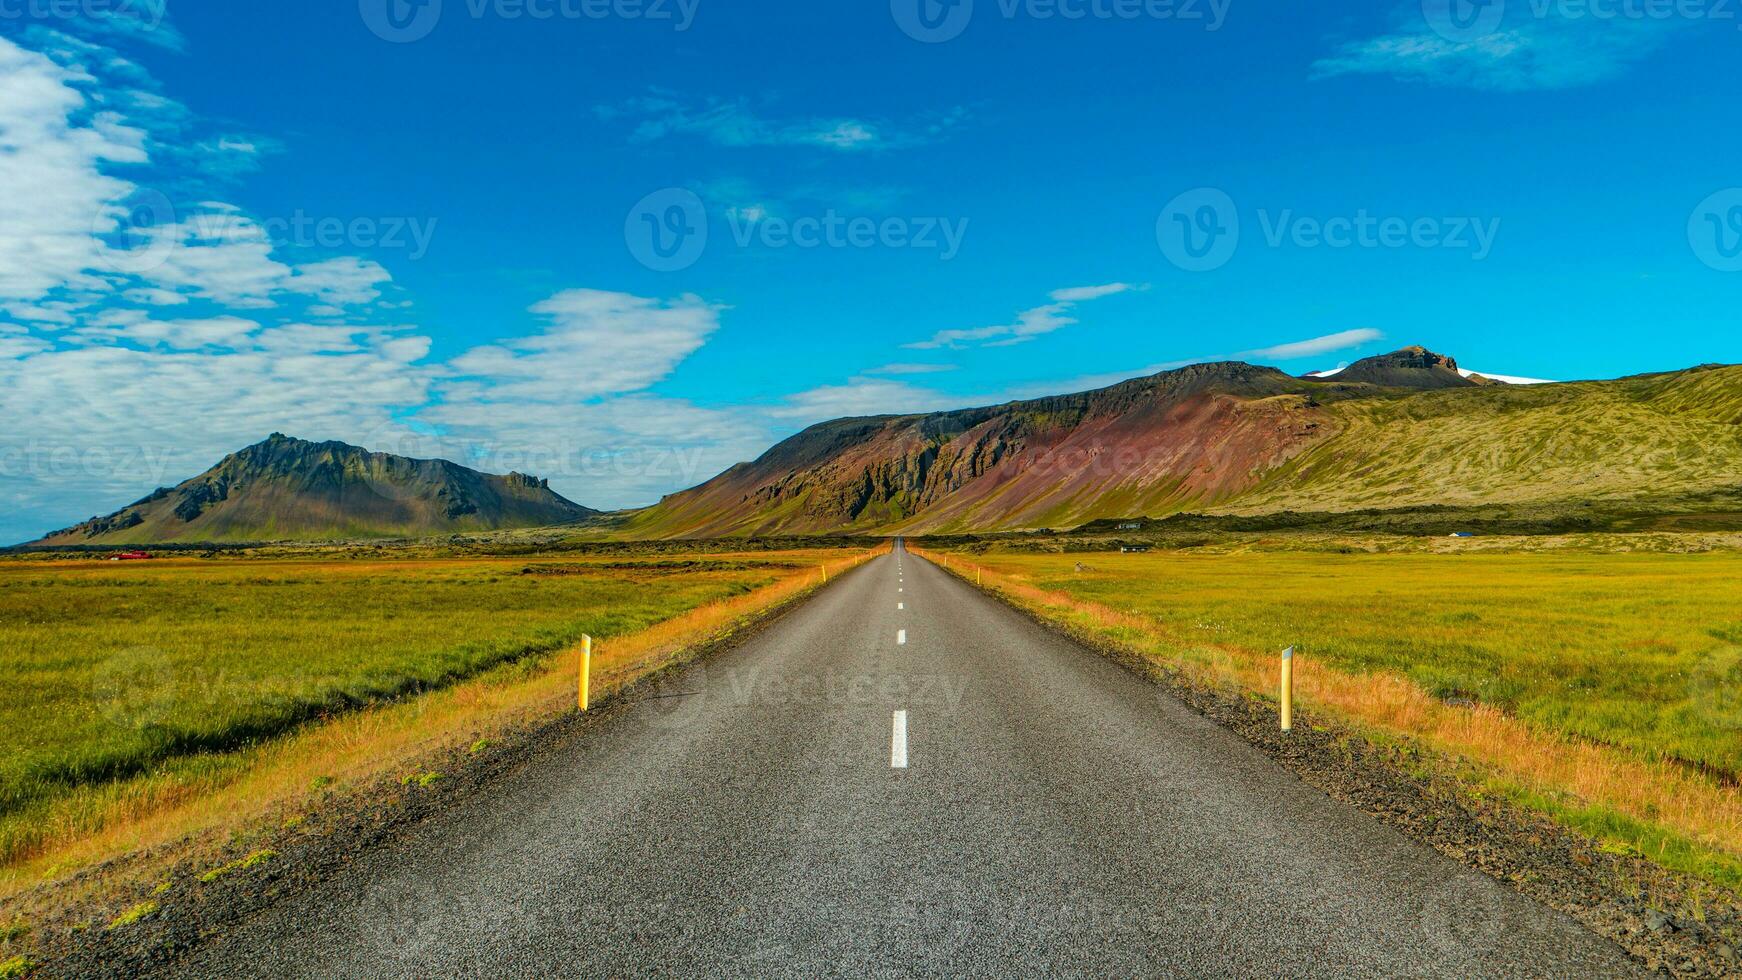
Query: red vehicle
(132, 556)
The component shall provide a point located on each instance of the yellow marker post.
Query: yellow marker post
(978, 580)
(824, 566)
(586, 670)
(1288, 689)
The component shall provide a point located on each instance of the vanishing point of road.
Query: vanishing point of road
(904, 777)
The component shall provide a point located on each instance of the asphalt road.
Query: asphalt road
(1055, 815)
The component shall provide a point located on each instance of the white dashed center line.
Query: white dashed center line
(898, 742)
(901, 637)
(901, 605)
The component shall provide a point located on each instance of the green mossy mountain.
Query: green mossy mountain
(1401, 430)
(286, 489)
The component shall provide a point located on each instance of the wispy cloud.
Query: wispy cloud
(911, 368)
(860, 397)
(1523, 51)
(1293, 350)
(1029, 324)
(1314, 347)
(737, 123)
(744, 200)
(121, 21)
(595, 343)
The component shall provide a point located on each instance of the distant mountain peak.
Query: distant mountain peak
(285, 488)
(1408, 367)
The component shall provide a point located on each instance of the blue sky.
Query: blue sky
(475, 228)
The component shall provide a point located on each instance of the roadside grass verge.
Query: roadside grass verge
(1601, 689)
(490, 649)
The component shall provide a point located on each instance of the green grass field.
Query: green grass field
(1640, 651)
(113, 669)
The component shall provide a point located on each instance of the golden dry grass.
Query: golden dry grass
(1614, 787)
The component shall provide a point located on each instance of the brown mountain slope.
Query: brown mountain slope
(1230, 438)
(289, 489)
(1192, 436)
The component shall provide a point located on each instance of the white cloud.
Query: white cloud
(69, 225)
(1028, 325)
(232, 155)
(911, 368)
(223, 331)
(1082, 294)
(144, 21)
(154, 296)
(52, 170)
(735, 123)
(1524, 53)
(614, 452)
(1315, 346)
(595, 343)
(859, 397)
(344, 281)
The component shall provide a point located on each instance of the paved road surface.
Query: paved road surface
(1056, 815)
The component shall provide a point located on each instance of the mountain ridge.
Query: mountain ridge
(1220, 438)
(1229, 437)
(293, 489)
